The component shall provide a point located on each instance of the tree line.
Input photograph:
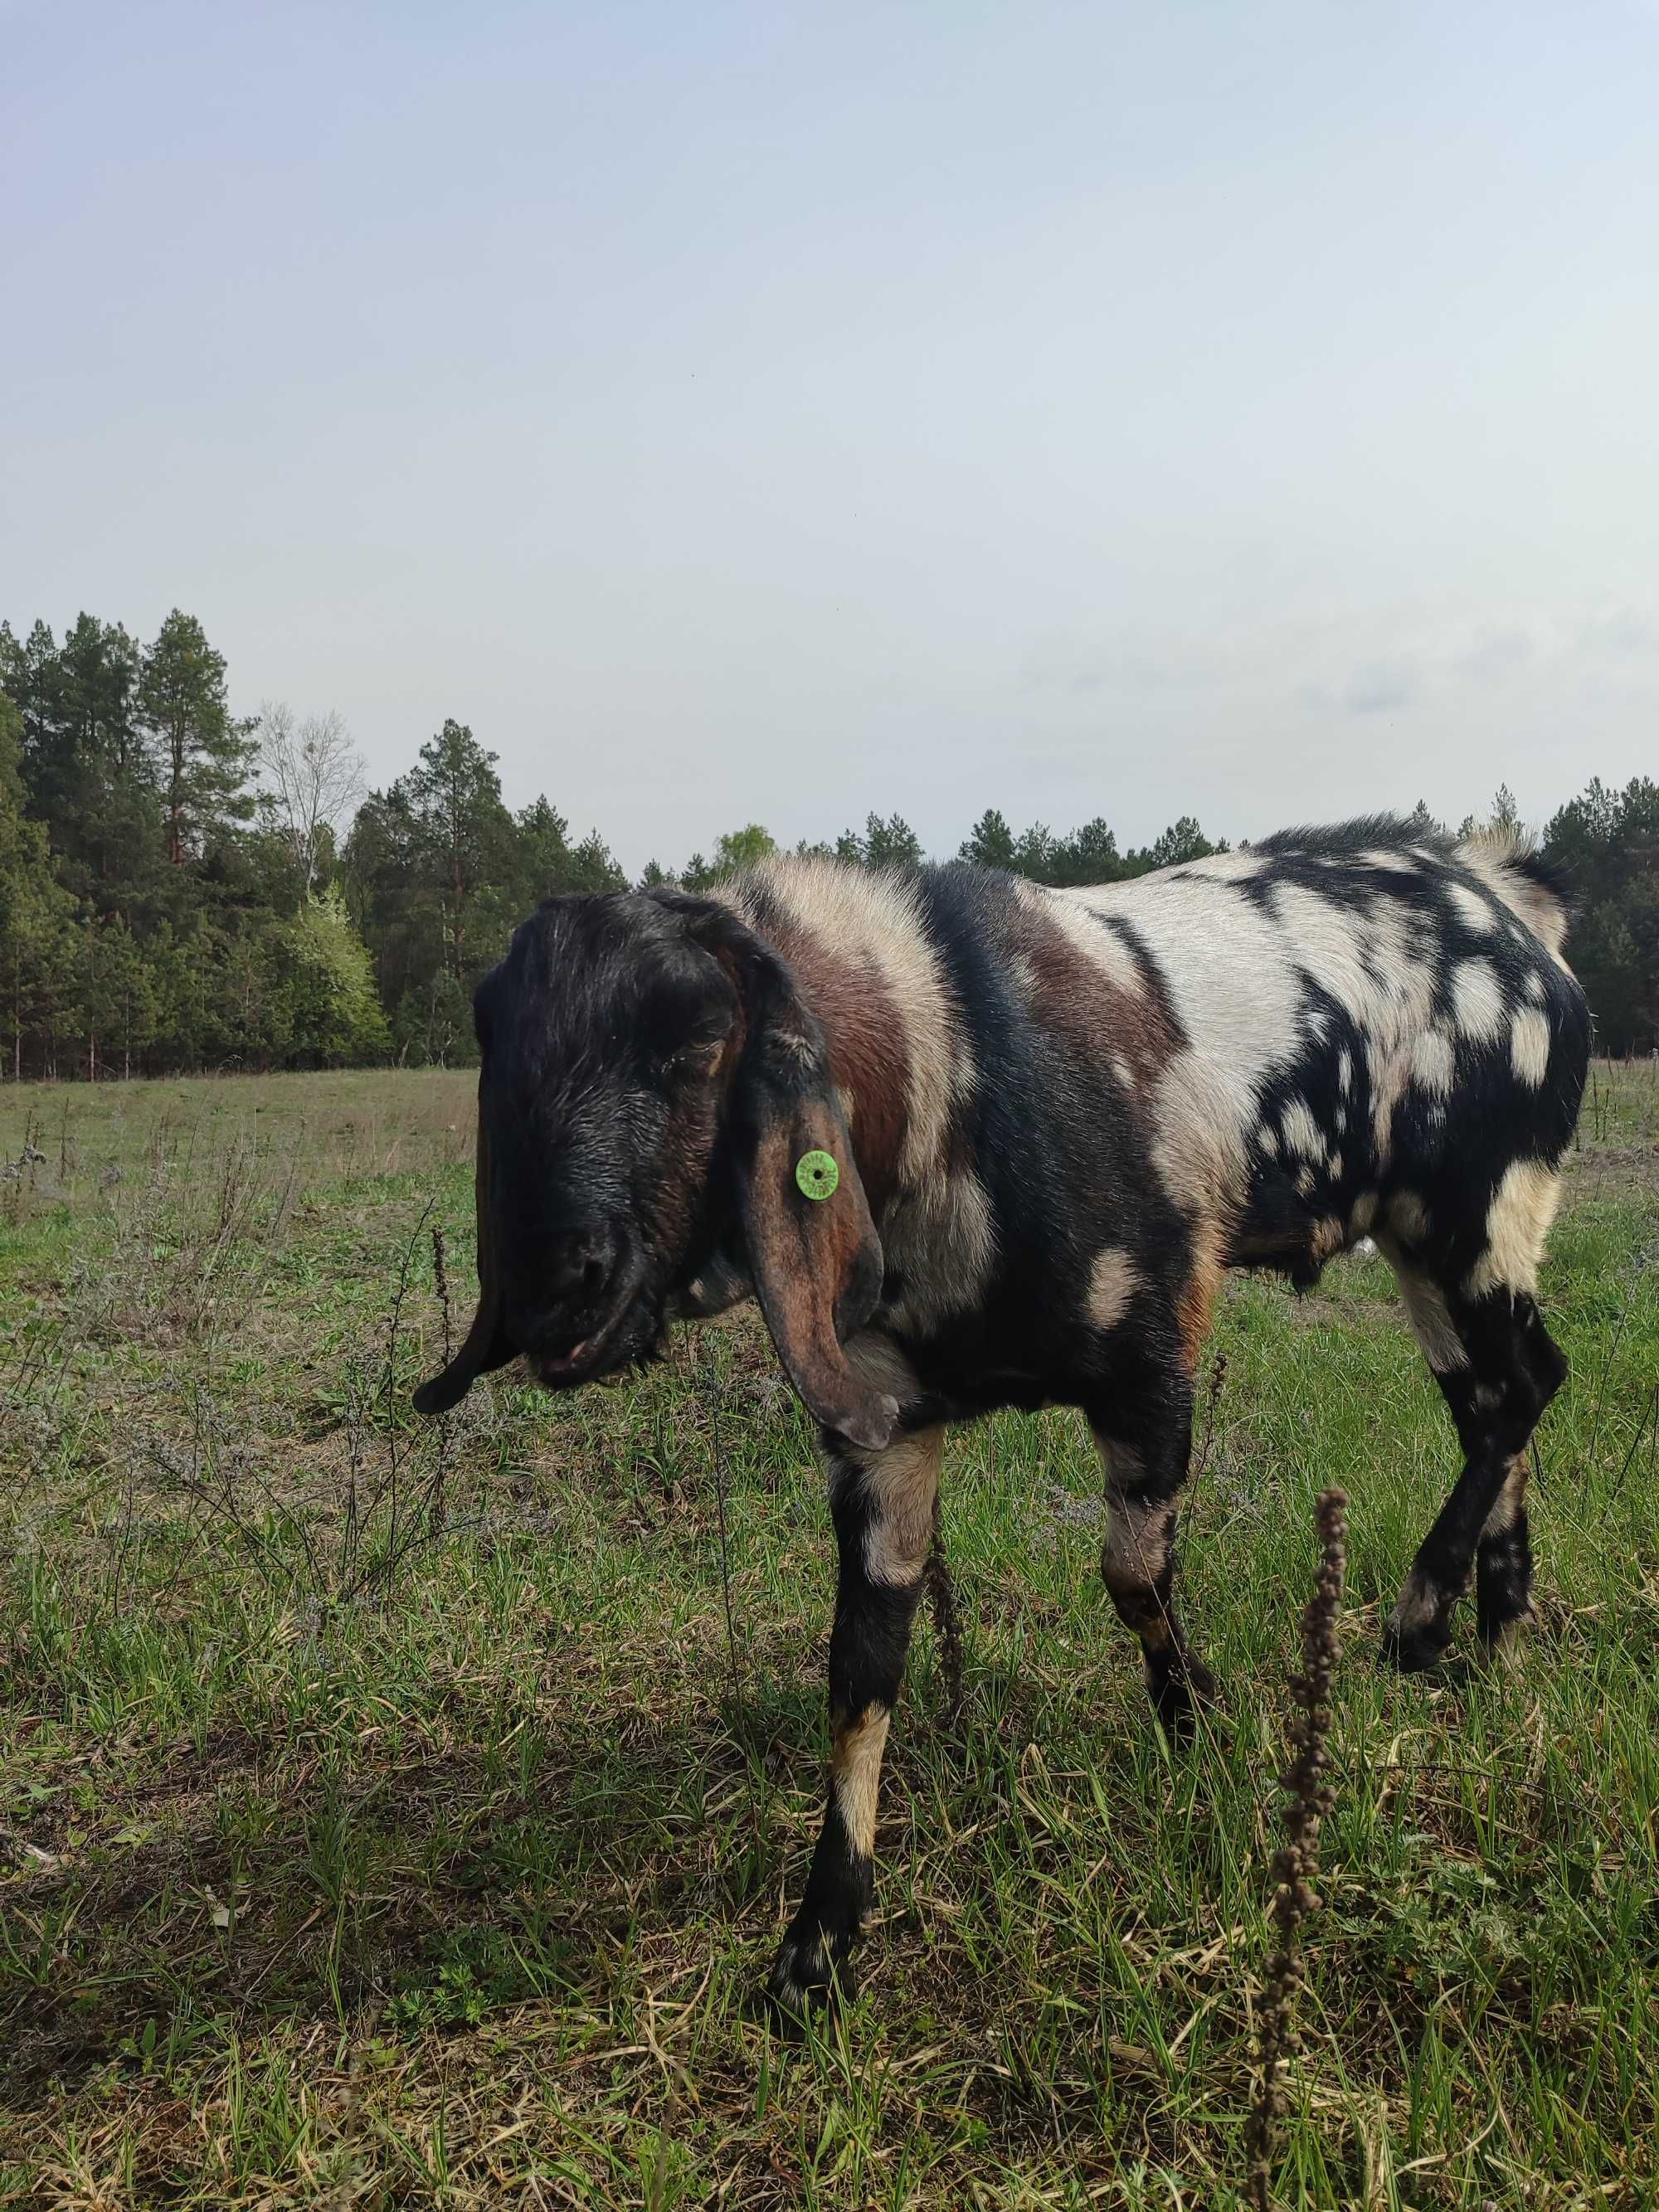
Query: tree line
(182, 889)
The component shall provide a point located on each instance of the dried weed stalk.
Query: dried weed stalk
(947, 1625)
(333, 1540)
(1212, 1412)
(1296, 1866)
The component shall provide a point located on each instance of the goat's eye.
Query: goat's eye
(689, 1059)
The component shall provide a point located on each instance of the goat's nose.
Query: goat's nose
(572, 1280)
(580, 1266)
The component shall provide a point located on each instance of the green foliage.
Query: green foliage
(1608, 844)
(333, 1004)
(159, 913)
(1088, 855)
(990, 843)
(890, 844)
(737, 848)
(436, 872)
(150, 917)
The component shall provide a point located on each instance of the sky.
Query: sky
(771, 412)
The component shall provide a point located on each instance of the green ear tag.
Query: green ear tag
(817, 1174)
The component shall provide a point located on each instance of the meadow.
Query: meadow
(395, 1814)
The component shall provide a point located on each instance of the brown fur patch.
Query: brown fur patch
(869, 1052)
(1081, 1000)
(1192, 1306)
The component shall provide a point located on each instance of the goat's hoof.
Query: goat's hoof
(1180, 1697)
(810, 1973)
(1418, 1649)
(1502, 1639)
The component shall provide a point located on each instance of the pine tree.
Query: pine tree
(1088, 855)
(990, 843)
(891, 843)
(544, 852)
(593, 869)
(464, 847)
(115, 995)
(1181, 840)
(207, 755)
(36, 915)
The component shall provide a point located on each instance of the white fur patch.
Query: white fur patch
(1478, 998)
(1229, 972)
(1200, 1113)
(1510, 1501)
(1428, 1313)
(1517, 1225)
(1530, 1046)
(900, 1482)
(877, 1362)
(1434, 1062)
(855, 1772)
(1137, 1544)
(1493, 856)
(1302, 1135)
(1473, 910)
(1113, 1281)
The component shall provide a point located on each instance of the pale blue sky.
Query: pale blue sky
(764, 411)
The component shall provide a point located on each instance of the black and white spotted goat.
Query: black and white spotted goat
(1057, 1117)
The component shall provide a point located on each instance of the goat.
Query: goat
(1053, 1120)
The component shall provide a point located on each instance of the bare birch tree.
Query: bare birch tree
(315, 775)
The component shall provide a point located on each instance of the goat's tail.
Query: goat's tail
(1532, 888)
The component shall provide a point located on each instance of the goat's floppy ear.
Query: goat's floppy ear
(486, 1347)
(815, 1259)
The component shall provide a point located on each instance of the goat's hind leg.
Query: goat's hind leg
(1502, 1584)
(1497, 1369)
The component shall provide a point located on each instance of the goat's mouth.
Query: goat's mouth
(627, 1333)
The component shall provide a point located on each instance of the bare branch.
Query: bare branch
(316, 776)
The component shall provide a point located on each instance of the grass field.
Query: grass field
(386, 1816)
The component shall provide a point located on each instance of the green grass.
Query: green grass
(384, 1817)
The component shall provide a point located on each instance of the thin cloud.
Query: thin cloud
(1382, 689)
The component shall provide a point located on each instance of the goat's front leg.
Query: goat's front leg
(883, 1507)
